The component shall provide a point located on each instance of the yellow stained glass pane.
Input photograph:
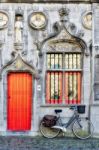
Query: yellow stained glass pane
(48, 61)
(74, 61)
(60, 61)
(78, 61)
(52, 61)
(56, 61)
(70, 61)
(66, 61)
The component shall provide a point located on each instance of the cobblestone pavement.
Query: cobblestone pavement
(40, 143)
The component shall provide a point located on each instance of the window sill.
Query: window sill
(58, 105)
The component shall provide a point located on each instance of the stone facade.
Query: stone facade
(29, 55)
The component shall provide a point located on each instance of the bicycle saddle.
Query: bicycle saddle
(72, 107)
(58, 111)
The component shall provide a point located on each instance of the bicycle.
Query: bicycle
(82, 128)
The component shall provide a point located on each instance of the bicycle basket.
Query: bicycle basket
(81, 109)
(49, 120)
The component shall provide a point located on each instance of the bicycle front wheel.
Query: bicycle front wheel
(48, 132)
(83, 129)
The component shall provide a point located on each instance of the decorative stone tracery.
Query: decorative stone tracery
(18, 64)
(62, 40)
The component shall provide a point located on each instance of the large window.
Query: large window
(63, 78)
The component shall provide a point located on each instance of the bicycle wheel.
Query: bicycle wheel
(83, 128)
(48, 132)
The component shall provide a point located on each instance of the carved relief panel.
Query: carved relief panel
(3, 20)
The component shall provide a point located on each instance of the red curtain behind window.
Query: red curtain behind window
(54, 87)
(72, 92)
(72, 87)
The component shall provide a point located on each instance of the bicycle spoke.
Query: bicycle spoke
(48, 132)
(84, 130)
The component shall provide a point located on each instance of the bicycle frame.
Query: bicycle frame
(73, 118)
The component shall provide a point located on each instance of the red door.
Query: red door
(19, 104)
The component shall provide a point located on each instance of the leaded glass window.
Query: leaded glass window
(72, 87)
(54, 87)
(63, 78)
(54, 61)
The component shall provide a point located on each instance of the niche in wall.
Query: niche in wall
(18, 27)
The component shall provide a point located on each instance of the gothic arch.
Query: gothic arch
(61, 36)
(18, 64)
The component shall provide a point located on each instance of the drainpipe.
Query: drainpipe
(91, 84)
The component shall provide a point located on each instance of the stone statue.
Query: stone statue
(18, 29)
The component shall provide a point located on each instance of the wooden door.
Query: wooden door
(19, 103)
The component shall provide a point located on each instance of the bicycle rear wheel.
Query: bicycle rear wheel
(48, 132)
(83, 128)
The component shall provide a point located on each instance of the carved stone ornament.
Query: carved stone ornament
(18, 64)
(62, 40)
(80, 33)
(63, 46)
(64, 12)
(37, 20)
(3, 20)
(87, 20)
(72, 29)
(18, 46)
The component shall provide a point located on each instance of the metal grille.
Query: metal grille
(63, 86)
